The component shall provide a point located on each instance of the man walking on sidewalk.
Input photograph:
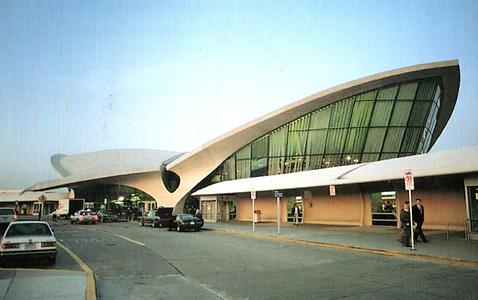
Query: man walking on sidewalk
(419, 218)
(405, 224)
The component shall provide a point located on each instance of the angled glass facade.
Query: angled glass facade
(389, 122)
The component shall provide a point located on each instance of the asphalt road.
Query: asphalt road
(130, 261)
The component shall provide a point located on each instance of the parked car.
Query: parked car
(163, 218)
(7, 215)
(109, 216)
(84, 216)
(28, 239)
(148, 219)
(186, 222)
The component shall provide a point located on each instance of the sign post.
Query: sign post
(278, 195)
(409, 186)
(253, 198)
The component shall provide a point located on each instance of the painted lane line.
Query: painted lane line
(90, 277)
(129, 240)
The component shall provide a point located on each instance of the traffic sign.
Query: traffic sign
(332, 190)
(409, 180)
(278, 194)
(253, 194)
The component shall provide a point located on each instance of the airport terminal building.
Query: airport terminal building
(339, 154)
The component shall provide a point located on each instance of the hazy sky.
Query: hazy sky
(78, 76)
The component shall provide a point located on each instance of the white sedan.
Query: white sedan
(28, 239)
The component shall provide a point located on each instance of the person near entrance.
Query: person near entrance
(419, 217)
(295, 214)
(405, 224)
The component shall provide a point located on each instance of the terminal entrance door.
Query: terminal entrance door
(209, 210)
(473, 208)
(384, 208)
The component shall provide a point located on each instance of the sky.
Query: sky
(80, 76)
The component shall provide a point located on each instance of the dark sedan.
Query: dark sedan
(186, 222)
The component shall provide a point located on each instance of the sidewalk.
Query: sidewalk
(381, 240)
(41, 284)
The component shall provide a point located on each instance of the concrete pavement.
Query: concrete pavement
(378, 240)
(41, 284)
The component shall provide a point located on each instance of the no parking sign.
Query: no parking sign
(409, 181)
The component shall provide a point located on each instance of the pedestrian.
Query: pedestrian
(419, 217)
(405, 224)
(295, 212)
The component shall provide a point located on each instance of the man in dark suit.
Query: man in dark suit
(405, 224)
(419, 218)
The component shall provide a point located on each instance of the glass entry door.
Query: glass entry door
(209, 210)
(473, 208)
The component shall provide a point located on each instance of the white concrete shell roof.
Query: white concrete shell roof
(459, 161)
(17, 195)
(103, 164)
(194, 166)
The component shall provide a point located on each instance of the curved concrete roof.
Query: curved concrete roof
(197, 164)
(103, 164)
(194, 166)
(425, 165)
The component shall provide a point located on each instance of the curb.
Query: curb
(426, 257)
(90, 276)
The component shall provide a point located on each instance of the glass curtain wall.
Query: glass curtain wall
(389, 122)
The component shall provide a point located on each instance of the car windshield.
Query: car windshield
(6, 211)
(187, 218)
(36, 229)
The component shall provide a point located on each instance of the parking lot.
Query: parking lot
(128, 259)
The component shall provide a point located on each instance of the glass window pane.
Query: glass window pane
(244, 153)
(316, 141)
(381, 113)
(341, 112)
(374, 140)
(313, 162)
(259, 167)
(407, 91)
(370, 157)
(431, 115)
(293, 164)
(419, 113)
(229, 169)
(393, 140)
(355, 140)
(296, 143)
(361, 114)
(276, 165)
(331, 161)
(243, 168)
(300, 124)
(277, 142)
(320, 119)
(370, 95)
(260, 147)
(401, 112)
(388, 93)
(335, 141)
(411, 140)
(426, 89)
(388, 156)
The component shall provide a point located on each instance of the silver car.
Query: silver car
(28, 239)
(84, 216)
(7, 215)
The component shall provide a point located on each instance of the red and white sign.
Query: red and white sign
(332, 190)
(409, 181)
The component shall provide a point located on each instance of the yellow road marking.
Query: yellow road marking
(90, 279)
(128, 239)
